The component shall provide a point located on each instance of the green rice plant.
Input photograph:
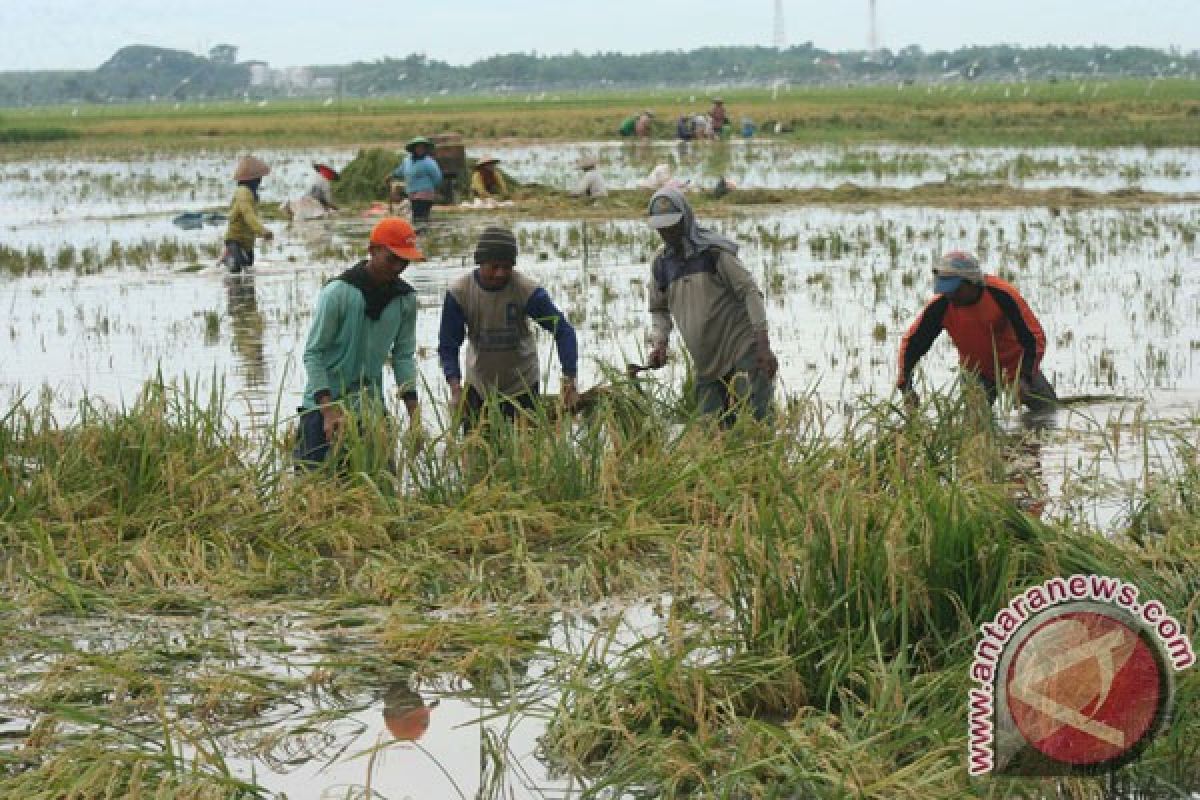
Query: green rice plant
(815, 590)
(364, 179)
(849, 579)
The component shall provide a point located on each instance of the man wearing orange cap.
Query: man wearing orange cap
(364, 317)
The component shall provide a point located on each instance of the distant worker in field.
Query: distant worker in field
(322, 186)
(490, 308)
(699, 283)
(591, 183)
(685, 128)
(244, 225)
(997, 335)
(703, 126)
(421, 175)
(365, 317)
(639, 125)
(318, 200)
(487, 182)
(718, 115)
(645, 124)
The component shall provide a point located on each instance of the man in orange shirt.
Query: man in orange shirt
(997, 336)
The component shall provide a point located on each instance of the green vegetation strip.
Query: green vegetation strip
(1152, 113)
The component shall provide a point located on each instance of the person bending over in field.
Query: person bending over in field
(490, 308)
(365, 317)
(698, 282)
(487, 182)
(995, 332)
(591, 183)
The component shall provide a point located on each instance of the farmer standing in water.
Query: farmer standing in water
(244, 226)
(366, 317)
(997, 336)
(699, 283)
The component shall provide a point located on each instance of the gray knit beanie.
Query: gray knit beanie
(496, 244)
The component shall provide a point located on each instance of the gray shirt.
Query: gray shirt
(501, 351)
(715, 303)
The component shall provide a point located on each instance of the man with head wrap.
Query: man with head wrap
(699, 284)
(490, 309)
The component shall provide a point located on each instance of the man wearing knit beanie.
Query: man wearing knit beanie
(997, 336)
(490, 309)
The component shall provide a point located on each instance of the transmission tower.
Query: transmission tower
(780, 38)
(872, 29)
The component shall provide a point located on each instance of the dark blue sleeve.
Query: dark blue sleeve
(541, 309)
(451, 335)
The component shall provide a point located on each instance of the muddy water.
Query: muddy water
(764, 163)
(308, 712)
(40, 192)
(1118, 292)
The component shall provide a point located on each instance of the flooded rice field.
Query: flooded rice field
(1117, 290)
(284, 698)
(36, 193)
(765, 164)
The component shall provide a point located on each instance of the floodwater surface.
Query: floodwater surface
(1117, 291)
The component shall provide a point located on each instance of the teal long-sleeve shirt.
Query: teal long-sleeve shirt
(346, 350)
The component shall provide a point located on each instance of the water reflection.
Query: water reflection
(1027, 474)
(405, 713)
(248, 326)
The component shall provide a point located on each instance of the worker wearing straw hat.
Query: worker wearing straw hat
(365, 317)
(487, 181)
(244, 225)
(997, 336)
(421, 175)
(490, 309)
(699, 284)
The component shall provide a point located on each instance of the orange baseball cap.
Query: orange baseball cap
(398, 236)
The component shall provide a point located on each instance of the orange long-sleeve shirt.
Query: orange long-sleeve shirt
(998, 329)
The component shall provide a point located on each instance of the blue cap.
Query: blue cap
(946, 284)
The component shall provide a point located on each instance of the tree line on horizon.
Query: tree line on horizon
(139, 73)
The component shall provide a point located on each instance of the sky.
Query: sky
(82, 34)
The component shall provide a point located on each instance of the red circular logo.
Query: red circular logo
(1084, 688)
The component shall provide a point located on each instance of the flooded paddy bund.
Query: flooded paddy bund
(248, 633)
